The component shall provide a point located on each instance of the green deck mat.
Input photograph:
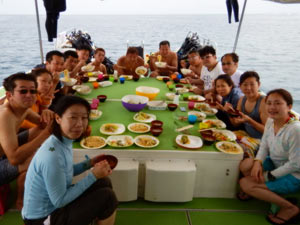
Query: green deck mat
(200, 203)
(227, 218)
(151, 218)
(11, 218)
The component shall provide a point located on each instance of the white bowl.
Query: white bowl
(185, 71)
(160, 64)
(88, 68)
(141, 70)
(69, 82)
(170, 96)
(157, 105)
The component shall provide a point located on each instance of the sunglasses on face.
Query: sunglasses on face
(25, 91)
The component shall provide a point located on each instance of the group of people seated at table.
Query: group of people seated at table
(40, 119)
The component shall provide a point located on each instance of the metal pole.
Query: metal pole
(39, 30)
(239, 28)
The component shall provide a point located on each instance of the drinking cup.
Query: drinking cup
(192, 119)
(191, 105)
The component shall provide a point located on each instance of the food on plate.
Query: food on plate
(138, 127)
(141, 70)
(93, 142)
(146, 141)
(213, 123)
(142, 116)
(204, 107)
(121, 141)
(111, 128)
(229, 147)
(185, 139)
(200, 115)
(95, 114)
(88, 68)
(82, 89)
(196, 98)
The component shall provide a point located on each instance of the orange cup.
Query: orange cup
(173, 76)
(95, 85)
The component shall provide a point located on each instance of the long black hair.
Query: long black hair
(62, 105)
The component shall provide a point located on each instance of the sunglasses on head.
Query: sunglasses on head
(25, 91)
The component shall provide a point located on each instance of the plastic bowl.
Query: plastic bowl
(102, 98)
(157, 123)
(134, 103)
(185, 71)
(157, 105)
(141, 70)
(156, 131)
(70, 82)
(160, 64)
(150, 92)
(172, 106)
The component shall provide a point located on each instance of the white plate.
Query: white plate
(238, 148)
(127, 77)
(120, 141)
(170, 96)
(82, 89)
(101, 145)
(195, 142)
(92, 79)
(146, 138)
(146, 120)
(230, 136)
(197, 98)
(71, 81)
(200, 115)
(216, 123)
(119, 129)
(185, 71)
(95, 114)
(105, 83)
(131, 126)
(141, 70)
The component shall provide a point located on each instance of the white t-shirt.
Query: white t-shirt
(209, 76)
(236, 77)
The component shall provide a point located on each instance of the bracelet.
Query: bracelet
(259, 160)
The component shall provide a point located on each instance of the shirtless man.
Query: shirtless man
(195, 64)
(230, 63)
(16, 148)
(166, 56)
(99, 58)
(127, 64)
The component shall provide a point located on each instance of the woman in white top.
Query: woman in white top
(276, 168)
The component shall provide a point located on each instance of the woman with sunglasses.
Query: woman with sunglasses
(276, 168)
(48, 187)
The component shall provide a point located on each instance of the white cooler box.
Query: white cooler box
(170, 180)
(124, 180)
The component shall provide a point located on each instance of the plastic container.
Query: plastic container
(176, 98)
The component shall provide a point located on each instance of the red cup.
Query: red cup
(191, 105)
(156, 131)
(156, 123)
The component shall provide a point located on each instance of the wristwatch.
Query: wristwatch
(270, 176)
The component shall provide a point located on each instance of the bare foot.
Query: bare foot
(284, 215)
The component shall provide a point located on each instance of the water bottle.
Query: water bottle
(176, 98)
(115, 76)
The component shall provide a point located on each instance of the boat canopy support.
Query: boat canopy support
(239, 27)
(39, 30)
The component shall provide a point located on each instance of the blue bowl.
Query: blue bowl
(134, 103)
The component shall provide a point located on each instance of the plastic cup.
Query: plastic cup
(122, 80)
(179, 76)
(185, 96)
(111, 79)
(94, 106)
(95, 101)
(192, 119)
(100, 76)
(95, 85)
(191, 105)
(171, 87)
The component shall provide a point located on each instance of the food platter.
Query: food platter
(141, 70)
(212, 123)
(112, 128)
(105, 83)
(189, 141)
(146, 141)
(138, 128)
(69, 82)
(95, 114)
(182, 90)
(144, 117)
(92, 79)
(82, 89)
(88, 68)
(93, 142)
(200, 115)
(161, 64)
(229, 147)
(120, 141)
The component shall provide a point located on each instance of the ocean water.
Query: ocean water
(268, 44)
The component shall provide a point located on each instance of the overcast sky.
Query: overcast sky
(101, 7)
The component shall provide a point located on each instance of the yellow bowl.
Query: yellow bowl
(150, 92)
